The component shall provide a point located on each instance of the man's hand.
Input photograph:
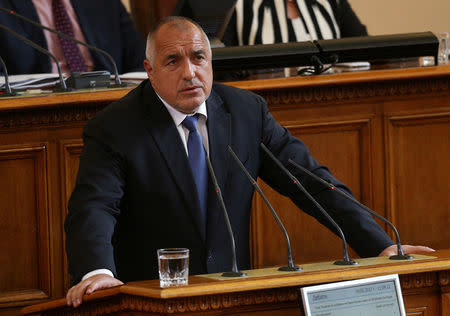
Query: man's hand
(407, 249)
(96, 282)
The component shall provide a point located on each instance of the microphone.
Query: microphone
(218, 39)
(346, 260)
(118, 82)
(42, 50)
(234, 272)
(8, 91)
(400, 255)
(291, 266)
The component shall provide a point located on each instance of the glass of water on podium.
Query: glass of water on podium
(173, 264)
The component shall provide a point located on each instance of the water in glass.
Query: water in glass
(173, 267)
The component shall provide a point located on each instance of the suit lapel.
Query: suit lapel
(219, 135)
(83, 10)
(162, 128)
(26, 8)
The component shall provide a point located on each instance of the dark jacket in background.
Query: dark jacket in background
(105, 24)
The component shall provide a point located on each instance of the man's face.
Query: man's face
(181, 72)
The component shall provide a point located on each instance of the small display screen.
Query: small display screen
(368, 297)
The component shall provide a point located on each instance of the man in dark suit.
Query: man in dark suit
(136, 190)
(104, 23)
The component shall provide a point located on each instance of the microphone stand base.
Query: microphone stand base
(62, 89)
(287, 269)
(345, 263)
(401, 257)
(4, 95)
(232, 274)
(122, 85)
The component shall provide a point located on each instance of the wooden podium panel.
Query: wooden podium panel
(385, 133)
(276, 294)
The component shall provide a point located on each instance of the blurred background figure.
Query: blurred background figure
(104, 24)
(281, 21)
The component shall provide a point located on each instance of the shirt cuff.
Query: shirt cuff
(98, 271)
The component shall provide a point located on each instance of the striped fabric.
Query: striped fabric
(266, 21)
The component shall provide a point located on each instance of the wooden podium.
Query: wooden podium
(425, 287)
(384, 133)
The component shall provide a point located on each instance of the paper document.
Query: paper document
(31, 81)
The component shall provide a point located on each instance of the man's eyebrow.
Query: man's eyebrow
(171, 55)
(199, 51)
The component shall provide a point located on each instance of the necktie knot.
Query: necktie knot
(190, 122)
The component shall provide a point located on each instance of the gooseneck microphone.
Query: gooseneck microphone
(400, 255)
(118, 82)
(234, 270)
(42, 50)
(291, 266)
(346, 260)
(8, 91)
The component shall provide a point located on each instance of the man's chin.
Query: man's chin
(190, 106)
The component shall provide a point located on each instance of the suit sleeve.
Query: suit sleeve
(94, 206)
(348, 21)
(365, 236)
(133, 43)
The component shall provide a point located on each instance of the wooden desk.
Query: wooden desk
(424, 287)
(385, 133)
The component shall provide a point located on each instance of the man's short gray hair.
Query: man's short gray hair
(179, 22)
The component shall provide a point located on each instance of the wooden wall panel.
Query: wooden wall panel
(365, 126)
(445, 304)
(421, 293)
(342, 146)
(146, 13)
(24, 224)
(71, 152)
(422, 304)
(419, 169)
(70, 158)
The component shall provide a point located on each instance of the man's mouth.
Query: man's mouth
(190, 89)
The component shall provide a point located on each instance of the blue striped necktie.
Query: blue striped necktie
(197, 160)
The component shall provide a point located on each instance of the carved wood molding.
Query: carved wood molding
(210, 302)
(341, 92)
(444, 278)
(106, 307)
(419, 280)
(204, 303)
(278, 97)
(48, 116)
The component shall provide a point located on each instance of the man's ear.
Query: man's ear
(148, 68)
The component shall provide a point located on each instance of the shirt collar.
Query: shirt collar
(177, 116)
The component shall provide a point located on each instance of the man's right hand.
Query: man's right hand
(96, 282)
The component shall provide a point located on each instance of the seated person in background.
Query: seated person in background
(282, 21)
(104, 24)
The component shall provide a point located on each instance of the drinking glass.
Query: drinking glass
(173, 264)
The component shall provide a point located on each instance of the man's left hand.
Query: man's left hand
(407, 249)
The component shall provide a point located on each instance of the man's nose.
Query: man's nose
(188, 69)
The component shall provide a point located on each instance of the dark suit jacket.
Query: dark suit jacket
(135, 192)
(105, 24)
